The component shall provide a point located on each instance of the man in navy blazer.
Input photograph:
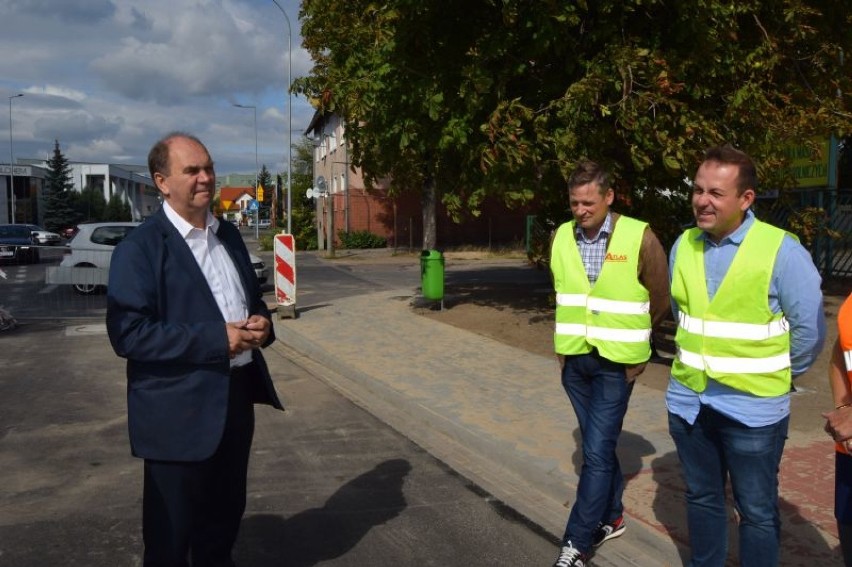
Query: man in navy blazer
(185, 309)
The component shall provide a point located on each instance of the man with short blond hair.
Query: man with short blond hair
(609, 272)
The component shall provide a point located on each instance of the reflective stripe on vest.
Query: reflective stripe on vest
(734, 339)
(614, 315)
(600, 304)
(603, 333)
(732, 365)
(754, 332)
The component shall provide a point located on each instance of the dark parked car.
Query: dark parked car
(18, 244)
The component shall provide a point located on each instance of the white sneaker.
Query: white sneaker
(570, 556)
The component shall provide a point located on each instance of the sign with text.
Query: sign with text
(21, 170)
(808, 167)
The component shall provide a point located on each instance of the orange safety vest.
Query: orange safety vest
(844, 336)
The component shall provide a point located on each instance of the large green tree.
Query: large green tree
(59, 198)
(394, 72)
(503, 96)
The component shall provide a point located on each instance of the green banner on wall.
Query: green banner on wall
(809, 168)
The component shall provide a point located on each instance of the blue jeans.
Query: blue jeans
(599, 392)
(712, 449)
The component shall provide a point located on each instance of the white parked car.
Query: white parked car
(87, 259)
(89, 254)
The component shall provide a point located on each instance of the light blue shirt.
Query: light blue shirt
(793, 290)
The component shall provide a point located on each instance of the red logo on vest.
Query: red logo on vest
(610, 257)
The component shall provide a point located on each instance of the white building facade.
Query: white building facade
(26, 203)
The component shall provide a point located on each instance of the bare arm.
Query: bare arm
(839, 421)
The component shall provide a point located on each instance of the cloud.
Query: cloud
(93, 11)
(77, 125)
(59, 92)
(139, 21)
(204, 50)
(98, 147)
(108, 78)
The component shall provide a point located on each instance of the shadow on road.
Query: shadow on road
(320, 534)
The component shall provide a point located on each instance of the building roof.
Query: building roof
(233, 194)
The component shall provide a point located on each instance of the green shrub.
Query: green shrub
(265, 242)
(361, 239)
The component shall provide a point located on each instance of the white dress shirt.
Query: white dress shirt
(218, 268)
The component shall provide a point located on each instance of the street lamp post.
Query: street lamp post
(289, 117)
(257, 212)
(12, 158)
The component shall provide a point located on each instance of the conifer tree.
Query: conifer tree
(59, 211)
(264, 179)
(117, 209)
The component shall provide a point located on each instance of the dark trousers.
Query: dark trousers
(194, 509)
(712, 450)
(599, 392)
(843, 503)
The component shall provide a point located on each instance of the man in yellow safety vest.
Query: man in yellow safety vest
(609, 272)
(747, 300)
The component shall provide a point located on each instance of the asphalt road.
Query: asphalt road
(329, 484)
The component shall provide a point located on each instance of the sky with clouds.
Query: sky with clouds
(107, 78)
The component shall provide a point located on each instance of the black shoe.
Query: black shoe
(609, 530)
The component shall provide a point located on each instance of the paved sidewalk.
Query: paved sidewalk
(499, 416)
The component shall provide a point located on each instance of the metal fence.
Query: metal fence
(50, 289)
(43, 289)
(822, 218)
(827, 215)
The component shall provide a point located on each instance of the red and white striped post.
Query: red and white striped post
(285, 274)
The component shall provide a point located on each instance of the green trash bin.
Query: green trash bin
(432, 274)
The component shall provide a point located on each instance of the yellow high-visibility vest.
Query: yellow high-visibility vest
(734, 339)
(614, 315)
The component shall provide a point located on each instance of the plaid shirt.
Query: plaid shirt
(593, 251)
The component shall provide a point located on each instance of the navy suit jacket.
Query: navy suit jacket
(163, 318)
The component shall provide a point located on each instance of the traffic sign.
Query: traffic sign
(253, 205)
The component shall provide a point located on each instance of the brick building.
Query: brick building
(398, 218)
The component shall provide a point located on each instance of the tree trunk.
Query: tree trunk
(429, 204)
